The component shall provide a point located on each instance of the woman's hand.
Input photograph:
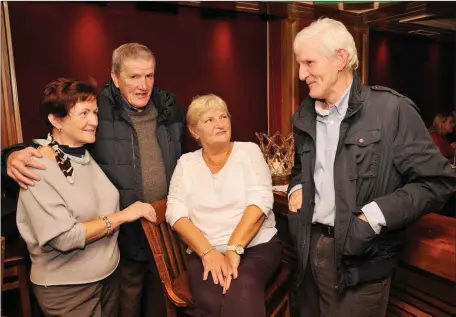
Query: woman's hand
(232, 259)
(139, 210)
(215, 263)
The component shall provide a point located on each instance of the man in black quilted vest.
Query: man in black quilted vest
(365, 168)
(140, 137)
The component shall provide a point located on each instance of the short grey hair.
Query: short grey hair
(202, 104)
(333, 36)
(129, 50)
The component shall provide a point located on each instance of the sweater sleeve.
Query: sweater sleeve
(259, 182)
(176, 206)
(43, 212)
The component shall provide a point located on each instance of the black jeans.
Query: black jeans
(245, 298)
(317, 296)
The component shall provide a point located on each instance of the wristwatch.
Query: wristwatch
(239, 249)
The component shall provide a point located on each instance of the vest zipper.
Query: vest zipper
(133, 155)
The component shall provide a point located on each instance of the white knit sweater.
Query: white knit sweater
(215, 203)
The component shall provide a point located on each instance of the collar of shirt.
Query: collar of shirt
(129, 107)
(341, 105)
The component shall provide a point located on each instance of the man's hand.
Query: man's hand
(233, 259)
(295, 201)
(16, 167)
(362, 217)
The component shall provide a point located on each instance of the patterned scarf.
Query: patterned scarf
(63, 159)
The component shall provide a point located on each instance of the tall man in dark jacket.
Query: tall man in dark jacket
(140, 137)
(365, 168)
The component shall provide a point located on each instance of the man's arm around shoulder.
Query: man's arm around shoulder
(15, 160)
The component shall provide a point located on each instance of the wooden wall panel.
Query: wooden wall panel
(11, 123)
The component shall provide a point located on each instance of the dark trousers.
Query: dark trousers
(245, 298)
(317, 296)
(98, 299)
(141, 291)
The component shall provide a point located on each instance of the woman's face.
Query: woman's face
(80, 125)
(213, 128)
(448, 125)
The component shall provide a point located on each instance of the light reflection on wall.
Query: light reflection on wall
(87, 41)
(222, 43)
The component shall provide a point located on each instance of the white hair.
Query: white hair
(333, 36)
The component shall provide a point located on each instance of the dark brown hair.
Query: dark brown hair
(63, 94)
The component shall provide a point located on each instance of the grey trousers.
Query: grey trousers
(98, 299)
(316, 296)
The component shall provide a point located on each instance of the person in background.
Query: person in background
(70, 219)
(443, 125)
(140, 137)
(220, 203)
(365, 168)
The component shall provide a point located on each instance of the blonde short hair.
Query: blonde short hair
(129, 50)
(333, 36)
(202, 104)
(439, 120)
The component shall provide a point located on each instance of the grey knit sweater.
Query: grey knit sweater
(50, 217)
(152, 165)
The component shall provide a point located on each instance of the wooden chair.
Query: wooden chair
(169, 254)
(14, 272)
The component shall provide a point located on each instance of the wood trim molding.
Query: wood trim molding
(305, 11)
(290, 81)
(268, 75)
(11, 121)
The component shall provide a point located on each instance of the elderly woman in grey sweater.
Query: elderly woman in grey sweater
(70, 218)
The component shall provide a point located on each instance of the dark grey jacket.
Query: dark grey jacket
(116, 150)
(385, 154)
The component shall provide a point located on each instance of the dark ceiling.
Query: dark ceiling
(435, 20)
(432, 19)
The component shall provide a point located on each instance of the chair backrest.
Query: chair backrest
(168, 251)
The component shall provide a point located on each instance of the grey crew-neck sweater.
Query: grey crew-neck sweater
(50, 217)
(152, 165)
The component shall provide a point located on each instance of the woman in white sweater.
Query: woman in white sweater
(70, 218)
(220, 203)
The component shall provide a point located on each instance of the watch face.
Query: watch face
(239, 249)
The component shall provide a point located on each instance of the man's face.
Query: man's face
(136, 80)
(316, 69)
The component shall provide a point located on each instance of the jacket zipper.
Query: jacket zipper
(125, 117)
(133, 155)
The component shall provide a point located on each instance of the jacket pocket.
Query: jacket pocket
(293, 225)
(305, 156)
(360, 238)
(364, 147)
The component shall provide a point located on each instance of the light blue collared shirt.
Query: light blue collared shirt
(327, 138)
